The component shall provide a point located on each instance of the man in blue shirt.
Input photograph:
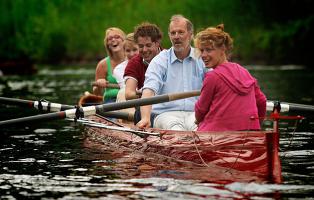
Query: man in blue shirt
(174, 70)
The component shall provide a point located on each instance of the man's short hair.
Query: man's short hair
(189, 25)
(147, 29)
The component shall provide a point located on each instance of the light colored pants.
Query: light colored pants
(176, 120)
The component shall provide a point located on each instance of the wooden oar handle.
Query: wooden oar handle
(117, 115)
(183, 95)
(146, 101)
(108, 85)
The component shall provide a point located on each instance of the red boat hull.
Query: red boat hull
(254, 153)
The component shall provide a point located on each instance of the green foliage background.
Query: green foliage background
(58, 31)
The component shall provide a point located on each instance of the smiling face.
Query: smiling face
(114, 41)
(147, 49)
(211, 56)
(130, 49)
(214, 45)
(179, 35)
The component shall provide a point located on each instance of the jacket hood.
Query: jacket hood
(236, 77)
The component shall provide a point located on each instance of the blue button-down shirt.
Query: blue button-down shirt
(168, 74)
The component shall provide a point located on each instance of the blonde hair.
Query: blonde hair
(108, 30)
(129, 40)
(216, 37)
(130, 37)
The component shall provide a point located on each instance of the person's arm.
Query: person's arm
(100, 78)
(260, 103)
(205, 100)
(146, 110)
(152, 85)
(130, 89)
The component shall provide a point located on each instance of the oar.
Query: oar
(108, 85)
(56, 107)
(40, 105)
(92, 110)
(291, 107)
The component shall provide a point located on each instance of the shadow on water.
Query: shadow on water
(56, 160)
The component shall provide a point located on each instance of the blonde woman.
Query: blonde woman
(114, 41)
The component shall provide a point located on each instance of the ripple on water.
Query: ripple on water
(23, 160)
(297, 153)
(37, 142)
(66, 128)
(45, 130)
(144, 188)
(66, 160)
(80, 169)
(23, 136)
(64, 166)
(6, 149)
(256, 188)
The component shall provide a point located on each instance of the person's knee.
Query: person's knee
(169, 123)
(177, 127)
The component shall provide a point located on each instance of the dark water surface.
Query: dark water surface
(53, 160)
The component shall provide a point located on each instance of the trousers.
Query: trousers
(176, 120)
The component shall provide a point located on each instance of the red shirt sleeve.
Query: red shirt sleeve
(131, 68)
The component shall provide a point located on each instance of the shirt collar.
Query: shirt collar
(174, 58)
(145, 62)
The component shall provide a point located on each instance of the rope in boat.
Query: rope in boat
(242, 146)
(238, 156)
(228, 170)
(198, 152)
(200, 156)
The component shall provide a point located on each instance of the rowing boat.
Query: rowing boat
(253, 153)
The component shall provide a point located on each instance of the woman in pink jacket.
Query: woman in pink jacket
(230, 97)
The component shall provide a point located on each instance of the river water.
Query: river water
(53, 160)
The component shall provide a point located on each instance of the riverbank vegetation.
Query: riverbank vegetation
(72, 31)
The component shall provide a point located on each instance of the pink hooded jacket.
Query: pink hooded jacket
(230, 100)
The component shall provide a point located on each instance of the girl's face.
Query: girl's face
(114, 41)
(130, 49)
(211, 56)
